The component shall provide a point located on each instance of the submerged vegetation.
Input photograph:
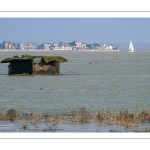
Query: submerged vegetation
(23, 74)
(82, 116)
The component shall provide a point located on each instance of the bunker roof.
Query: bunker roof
(46, 59)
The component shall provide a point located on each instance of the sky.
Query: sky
(85, 30)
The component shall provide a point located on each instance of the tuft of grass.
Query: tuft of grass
(79, 116)
(99, 115)
(144, 116)
(12, 115)
(84, 115)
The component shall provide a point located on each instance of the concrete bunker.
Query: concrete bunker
(35, 65)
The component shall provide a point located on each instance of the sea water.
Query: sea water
(108, 80)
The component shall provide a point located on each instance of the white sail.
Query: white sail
(131, 48)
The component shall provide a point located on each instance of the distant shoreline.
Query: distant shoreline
(34, 50)
(94, 50)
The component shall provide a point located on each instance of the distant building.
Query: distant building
(14, 45)
(44, 46)
(61, 44)
(83, 45)
(6, 45)
(21, 46)
(30, 46)
(77, 45)
(61, 47)
(95, 46)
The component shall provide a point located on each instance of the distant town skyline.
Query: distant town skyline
(70, 46)
(85, 30)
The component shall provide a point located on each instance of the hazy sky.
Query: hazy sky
(86, 30)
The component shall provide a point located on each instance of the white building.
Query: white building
(44, 46)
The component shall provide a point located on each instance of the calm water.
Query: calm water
(110, 80)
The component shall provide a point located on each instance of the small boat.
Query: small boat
(131, 48)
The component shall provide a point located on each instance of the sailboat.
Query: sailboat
(131, 48)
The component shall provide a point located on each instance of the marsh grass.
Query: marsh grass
(12, 115)
(81, 116)
(49, 123)
(124, 118)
